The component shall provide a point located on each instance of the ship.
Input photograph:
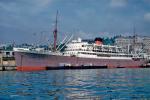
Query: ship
(77, 54)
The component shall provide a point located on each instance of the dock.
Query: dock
(7, 68)
(7, 63)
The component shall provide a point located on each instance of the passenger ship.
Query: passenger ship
(77, 54)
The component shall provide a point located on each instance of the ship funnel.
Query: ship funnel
(98, 41)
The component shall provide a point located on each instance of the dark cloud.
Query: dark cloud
(11, 1)
(21, 18)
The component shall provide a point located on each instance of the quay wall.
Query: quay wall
(7, 63)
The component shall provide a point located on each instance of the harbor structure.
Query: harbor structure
(7, 60)
(133, 44)
(1, 60)
(146, 43)
(125, 42)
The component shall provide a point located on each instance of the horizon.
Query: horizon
(32, 21)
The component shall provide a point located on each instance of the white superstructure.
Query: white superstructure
(84, 49)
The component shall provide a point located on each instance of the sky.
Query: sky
(32, 21)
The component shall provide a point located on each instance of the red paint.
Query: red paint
(30, 68)
(98, 42)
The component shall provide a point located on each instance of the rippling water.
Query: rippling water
(92, 84)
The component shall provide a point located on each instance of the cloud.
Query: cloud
(118, 3)
(33, 6)
(20, 18)
(21, 12)
(83, 13)
(40, 5)
(9, 1)
(147, 1)
(147, 16)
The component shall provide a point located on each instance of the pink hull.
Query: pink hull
(31, 61)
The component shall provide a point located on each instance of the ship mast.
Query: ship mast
(55, 32)
(134, 33)
(134, 39)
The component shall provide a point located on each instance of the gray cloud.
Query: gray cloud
(118, 3)
(147, 16)
(19, 19)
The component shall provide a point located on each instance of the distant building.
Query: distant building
(0, 56)
(0, 59)
(146, 43)
(124, 42)
(6, 50)
(7, 56)
(130, 43)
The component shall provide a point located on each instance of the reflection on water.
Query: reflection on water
(92, 84)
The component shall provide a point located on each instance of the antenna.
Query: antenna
(55, 31)
(134, 33)
(134, 37)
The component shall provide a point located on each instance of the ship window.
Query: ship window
(7, 53)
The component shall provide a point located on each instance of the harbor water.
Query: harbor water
(89, 84)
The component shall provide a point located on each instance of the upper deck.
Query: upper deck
(85, 49)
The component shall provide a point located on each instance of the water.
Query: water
(92, 84)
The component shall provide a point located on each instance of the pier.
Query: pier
(7, 68)
(7, 63)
